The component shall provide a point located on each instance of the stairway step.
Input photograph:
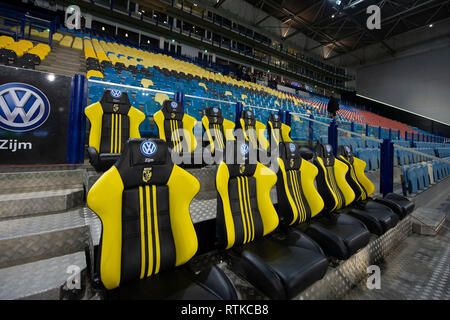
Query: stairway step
(44, 201)
(39, 280)
(11, 180)
(30, 239)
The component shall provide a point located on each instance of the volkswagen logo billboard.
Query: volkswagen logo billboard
(34, 116)
(22, 107)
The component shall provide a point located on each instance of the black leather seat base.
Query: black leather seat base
(377, 217)
(339, 235)
(401, 205)
(277, 270)
(178, 284)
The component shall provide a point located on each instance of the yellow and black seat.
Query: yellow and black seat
(147, 232)
(278, 131)
(245, 216)
(253, 131)
(218, 129)
(177, 128)
(113, 121)
(338, 234)
(377, 217)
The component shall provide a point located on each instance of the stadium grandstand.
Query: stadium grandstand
(187, 150)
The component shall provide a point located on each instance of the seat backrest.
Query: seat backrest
(253, 130)
(143, 203)
(298, 198)
(113, 121)
(176, 127)
(218, 129)
(244, 210)
(355, 175)
(331, 181)
(278, 131)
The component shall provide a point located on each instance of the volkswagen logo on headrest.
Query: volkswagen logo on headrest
(292, 147)
(22, 107)
(249, 113)
(275, 116)
(174, 105)
(244, 149)
(215, 110)
(116, 94)
(148, 148)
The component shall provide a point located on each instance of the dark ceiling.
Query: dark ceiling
(342, 27)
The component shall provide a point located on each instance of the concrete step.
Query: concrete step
(60, 71)
(25, 240)
(63, 178)
(40, 280)
(46, 200)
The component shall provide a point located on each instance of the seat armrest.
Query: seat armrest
(93, 156)
(370, 221)
(216, 281)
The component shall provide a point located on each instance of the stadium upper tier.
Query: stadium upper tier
(111, 61)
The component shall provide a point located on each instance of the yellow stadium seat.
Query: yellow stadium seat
(77, 43)
(57, 37)
(94, 73)
(66, 41)
(146, 83)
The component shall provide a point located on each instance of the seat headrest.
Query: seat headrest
(275, 119)
(290, 154)
(145, 162)
(214, 113)
(346, 152)
(243, 162)
(172, 106)
(325, 151)
(247, 114)
(115, 101)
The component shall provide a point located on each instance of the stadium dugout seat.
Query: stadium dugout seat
(278, 131)
(176, 127)
(218, 129)
(338, 234)
(113, 121)
(253, 130)
(147, 232)
(245, 218)
(377, 217)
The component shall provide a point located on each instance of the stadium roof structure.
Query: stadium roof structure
(341, 25)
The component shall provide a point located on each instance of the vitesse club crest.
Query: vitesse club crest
(291, 163)
(146, 174)
(172, 115)
(241, 168)
(215, 119)
(115, 107)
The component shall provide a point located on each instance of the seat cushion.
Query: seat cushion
(387, 218)
(279, 271)
(397, 203)
(178, 284)
(339, 235)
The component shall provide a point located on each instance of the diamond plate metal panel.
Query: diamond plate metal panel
(417, 269)
(37, 179)
(38, 280)
(18, 204)
(30, 239)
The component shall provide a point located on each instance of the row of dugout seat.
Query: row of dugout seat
(148, 235)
